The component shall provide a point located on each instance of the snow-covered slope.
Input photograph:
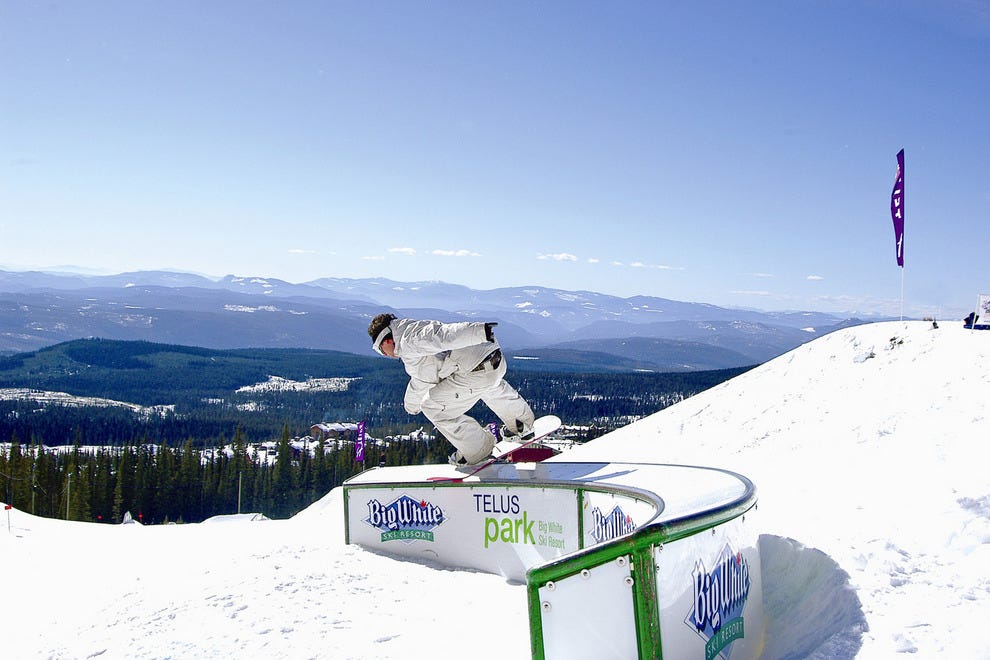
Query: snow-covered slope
(868, 447)
(287, 589)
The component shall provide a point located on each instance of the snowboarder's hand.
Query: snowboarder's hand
(489, 332)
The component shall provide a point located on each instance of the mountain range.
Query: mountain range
(551, 327)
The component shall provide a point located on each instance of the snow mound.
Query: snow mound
(868, 446)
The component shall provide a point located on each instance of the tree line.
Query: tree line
(162, 483)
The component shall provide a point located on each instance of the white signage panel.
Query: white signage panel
(499, 529)
(710, 594)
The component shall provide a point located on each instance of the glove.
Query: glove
(489, 332)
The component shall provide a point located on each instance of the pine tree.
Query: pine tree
(104, 486)
(262, 492)
(304, 489)
(123, 494)
(165, 498)
(18, 475)
(230, 474)
(42, 482)
(190, 483)
(282, 478)
(321, 471)
(5, 477)
(144, 480)
(77, 491)
(240, 471)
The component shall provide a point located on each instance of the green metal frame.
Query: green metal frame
(640, 546)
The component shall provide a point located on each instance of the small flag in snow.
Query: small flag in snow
(359, 444)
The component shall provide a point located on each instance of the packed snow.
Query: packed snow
(45, 397)
(279, 384)
(867, 446)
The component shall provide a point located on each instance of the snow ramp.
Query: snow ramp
(621, 560)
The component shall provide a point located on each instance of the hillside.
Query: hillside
(111, 392)
(148, 373)
(866, 445)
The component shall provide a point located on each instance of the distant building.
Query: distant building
(333, 431)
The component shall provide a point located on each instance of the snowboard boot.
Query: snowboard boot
(457, 459)
(520, 434)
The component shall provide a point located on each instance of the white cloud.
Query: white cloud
(403, 250)
(751, 293)
(301, 251)
(455, 253)
(815, 278)
(640, 264)
(566, 256)
(376, 257)
(762, 274)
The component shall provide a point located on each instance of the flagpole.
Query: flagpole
(902, 293)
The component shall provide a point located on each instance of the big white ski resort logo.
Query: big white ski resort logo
(614, 524)
(719, 598)
(405, 519)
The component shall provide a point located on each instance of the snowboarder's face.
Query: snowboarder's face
(388, 347)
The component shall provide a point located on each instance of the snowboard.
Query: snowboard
(542, 427)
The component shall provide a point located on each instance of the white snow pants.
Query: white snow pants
(447, 402)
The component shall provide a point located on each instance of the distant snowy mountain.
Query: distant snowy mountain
(570, 309)
(40, 309)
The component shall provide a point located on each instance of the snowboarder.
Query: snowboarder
(451, 367)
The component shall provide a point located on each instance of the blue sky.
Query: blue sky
(734, 153)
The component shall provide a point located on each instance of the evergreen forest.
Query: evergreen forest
(179, 451)
(163, 484)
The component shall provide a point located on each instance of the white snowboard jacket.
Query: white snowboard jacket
(431, 351)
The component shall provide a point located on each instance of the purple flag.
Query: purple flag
(897, 209)
(359, 444)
